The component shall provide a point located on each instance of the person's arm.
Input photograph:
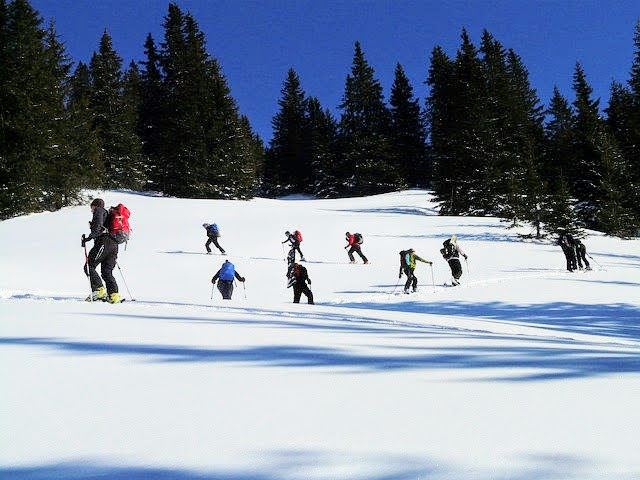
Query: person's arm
(239, 277)
(462, 252)
(215, 277)
(423, 260)
(306, 276)
(97, 224)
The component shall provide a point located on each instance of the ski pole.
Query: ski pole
(285, 258)
(212, 286)
(433, 282)
(244, 286)
(468, 271)
(125, 283)
(86, 270)
(394, 288)
(596, 262)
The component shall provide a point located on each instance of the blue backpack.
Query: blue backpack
(227, 272)
(213, 229)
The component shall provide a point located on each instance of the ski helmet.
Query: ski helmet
(97, 202)
(205, 225)
(287, 233)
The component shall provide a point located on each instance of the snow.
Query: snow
(525, 371)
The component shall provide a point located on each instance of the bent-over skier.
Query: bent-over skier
(213, 233)
(298, 278)
(408, 260)
(354, 241)
(451, 252)
(225, 277)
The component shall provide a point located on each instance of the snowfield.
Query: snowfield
(526, 371)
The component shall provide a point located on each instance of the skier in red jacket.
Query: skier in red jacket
(354, 241)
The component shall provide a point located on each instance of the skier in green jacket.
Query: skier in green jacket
(408, 260)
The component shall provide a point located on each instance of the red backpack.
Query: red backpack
(119, 223)
(298, 235)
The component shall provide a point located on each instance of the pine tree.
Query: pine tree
(614, 214)
(631, 145)
(320, 142)
(408, 135)
(442, 128)
(585, 176)
(115, 119)
(559, 132)
(36, 168)
(364, 133)
(152, 113)
(559, 212)
(289, 165)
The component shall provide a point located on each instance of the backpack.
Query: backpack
(403, 258)
(297, 235)
(227, 271)
(449, 249)
(214, 230)
(358, 238)
(118, 223)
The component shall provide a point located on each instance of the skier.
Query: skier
(568, 245)
(298, 278)
(354, 241)
(408, 266)
(226, 274)
(581, 254)
(294, 240)
(104, 253)
(213, 233)
(451, 253)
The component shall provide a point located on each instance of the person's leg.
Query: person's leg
(94, 258)
(414, 283)
(350, 253)
(359, 252)
(215, 242)
(409, 273)
(567, 257)
(583, 252)
(300, 252)
(297, 292)
(108, 263)
(307, 291)
(206, 245)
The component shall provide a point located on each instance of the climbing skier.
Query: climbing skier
(298, 278)
(408, 266)
(294, 240)
(213, 233)
(581, 254)
(354, 241)
(451, 252)
(568, 245)
(225, 277)
(104, 253)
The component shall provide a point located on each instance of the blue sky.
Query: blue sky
(257, 41)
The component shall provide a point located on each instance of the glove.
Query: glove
(309, 280)
(84, 240)
(465, 257)
(400, 275)
(430, 263)
(213, 280)
(242, 279)
(346, 247)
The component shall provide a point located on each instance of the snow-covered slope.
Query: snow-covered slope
(526, 371)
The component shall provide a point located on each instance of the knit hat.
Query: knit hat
(97, 202)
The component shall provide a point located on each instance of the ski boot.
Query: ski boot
(99, 294)
(114, 298)
(352, 261)
(366, 261)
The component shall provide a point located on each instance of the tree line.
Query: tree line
(481, 140)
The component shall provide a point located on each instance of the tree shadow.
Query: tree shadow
(421, 211)
(465, 237)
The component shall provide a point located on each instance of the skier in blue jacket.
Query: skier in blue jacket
(225, 277)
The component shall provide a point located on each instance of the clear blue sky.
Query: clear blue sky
(257, 41)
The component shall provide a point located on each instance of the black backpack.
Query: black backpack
(449, 249)
(403, 254)
(358, 238)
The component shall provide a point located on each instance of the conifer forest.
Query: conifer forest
(481, 140)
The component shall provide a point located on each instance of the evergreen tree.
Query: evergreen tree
(289, 163)
(559, 132)
(631, 146)
(320, 142)
(442, 128)
(115, 119)
(87, 153)
(585, 176)
(364, 133)
(152, 113)
(615, 215)
(559, 212)
(408, 135)
(36, 168)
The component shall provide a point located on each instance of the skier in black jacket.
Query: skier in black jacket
(295, 245)
(568, 245)
(581, 254)
(451, 252)
(298, 278)
(213, 234)
(104, 253)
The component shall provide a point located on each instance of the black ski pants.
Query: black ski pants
(570, 255)
(213, 240)
(105, 254)
(226, 288)
(292, 253)
(581, 251)
(412, 280)
(299, 288)
(456, 268)
(356, 248)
